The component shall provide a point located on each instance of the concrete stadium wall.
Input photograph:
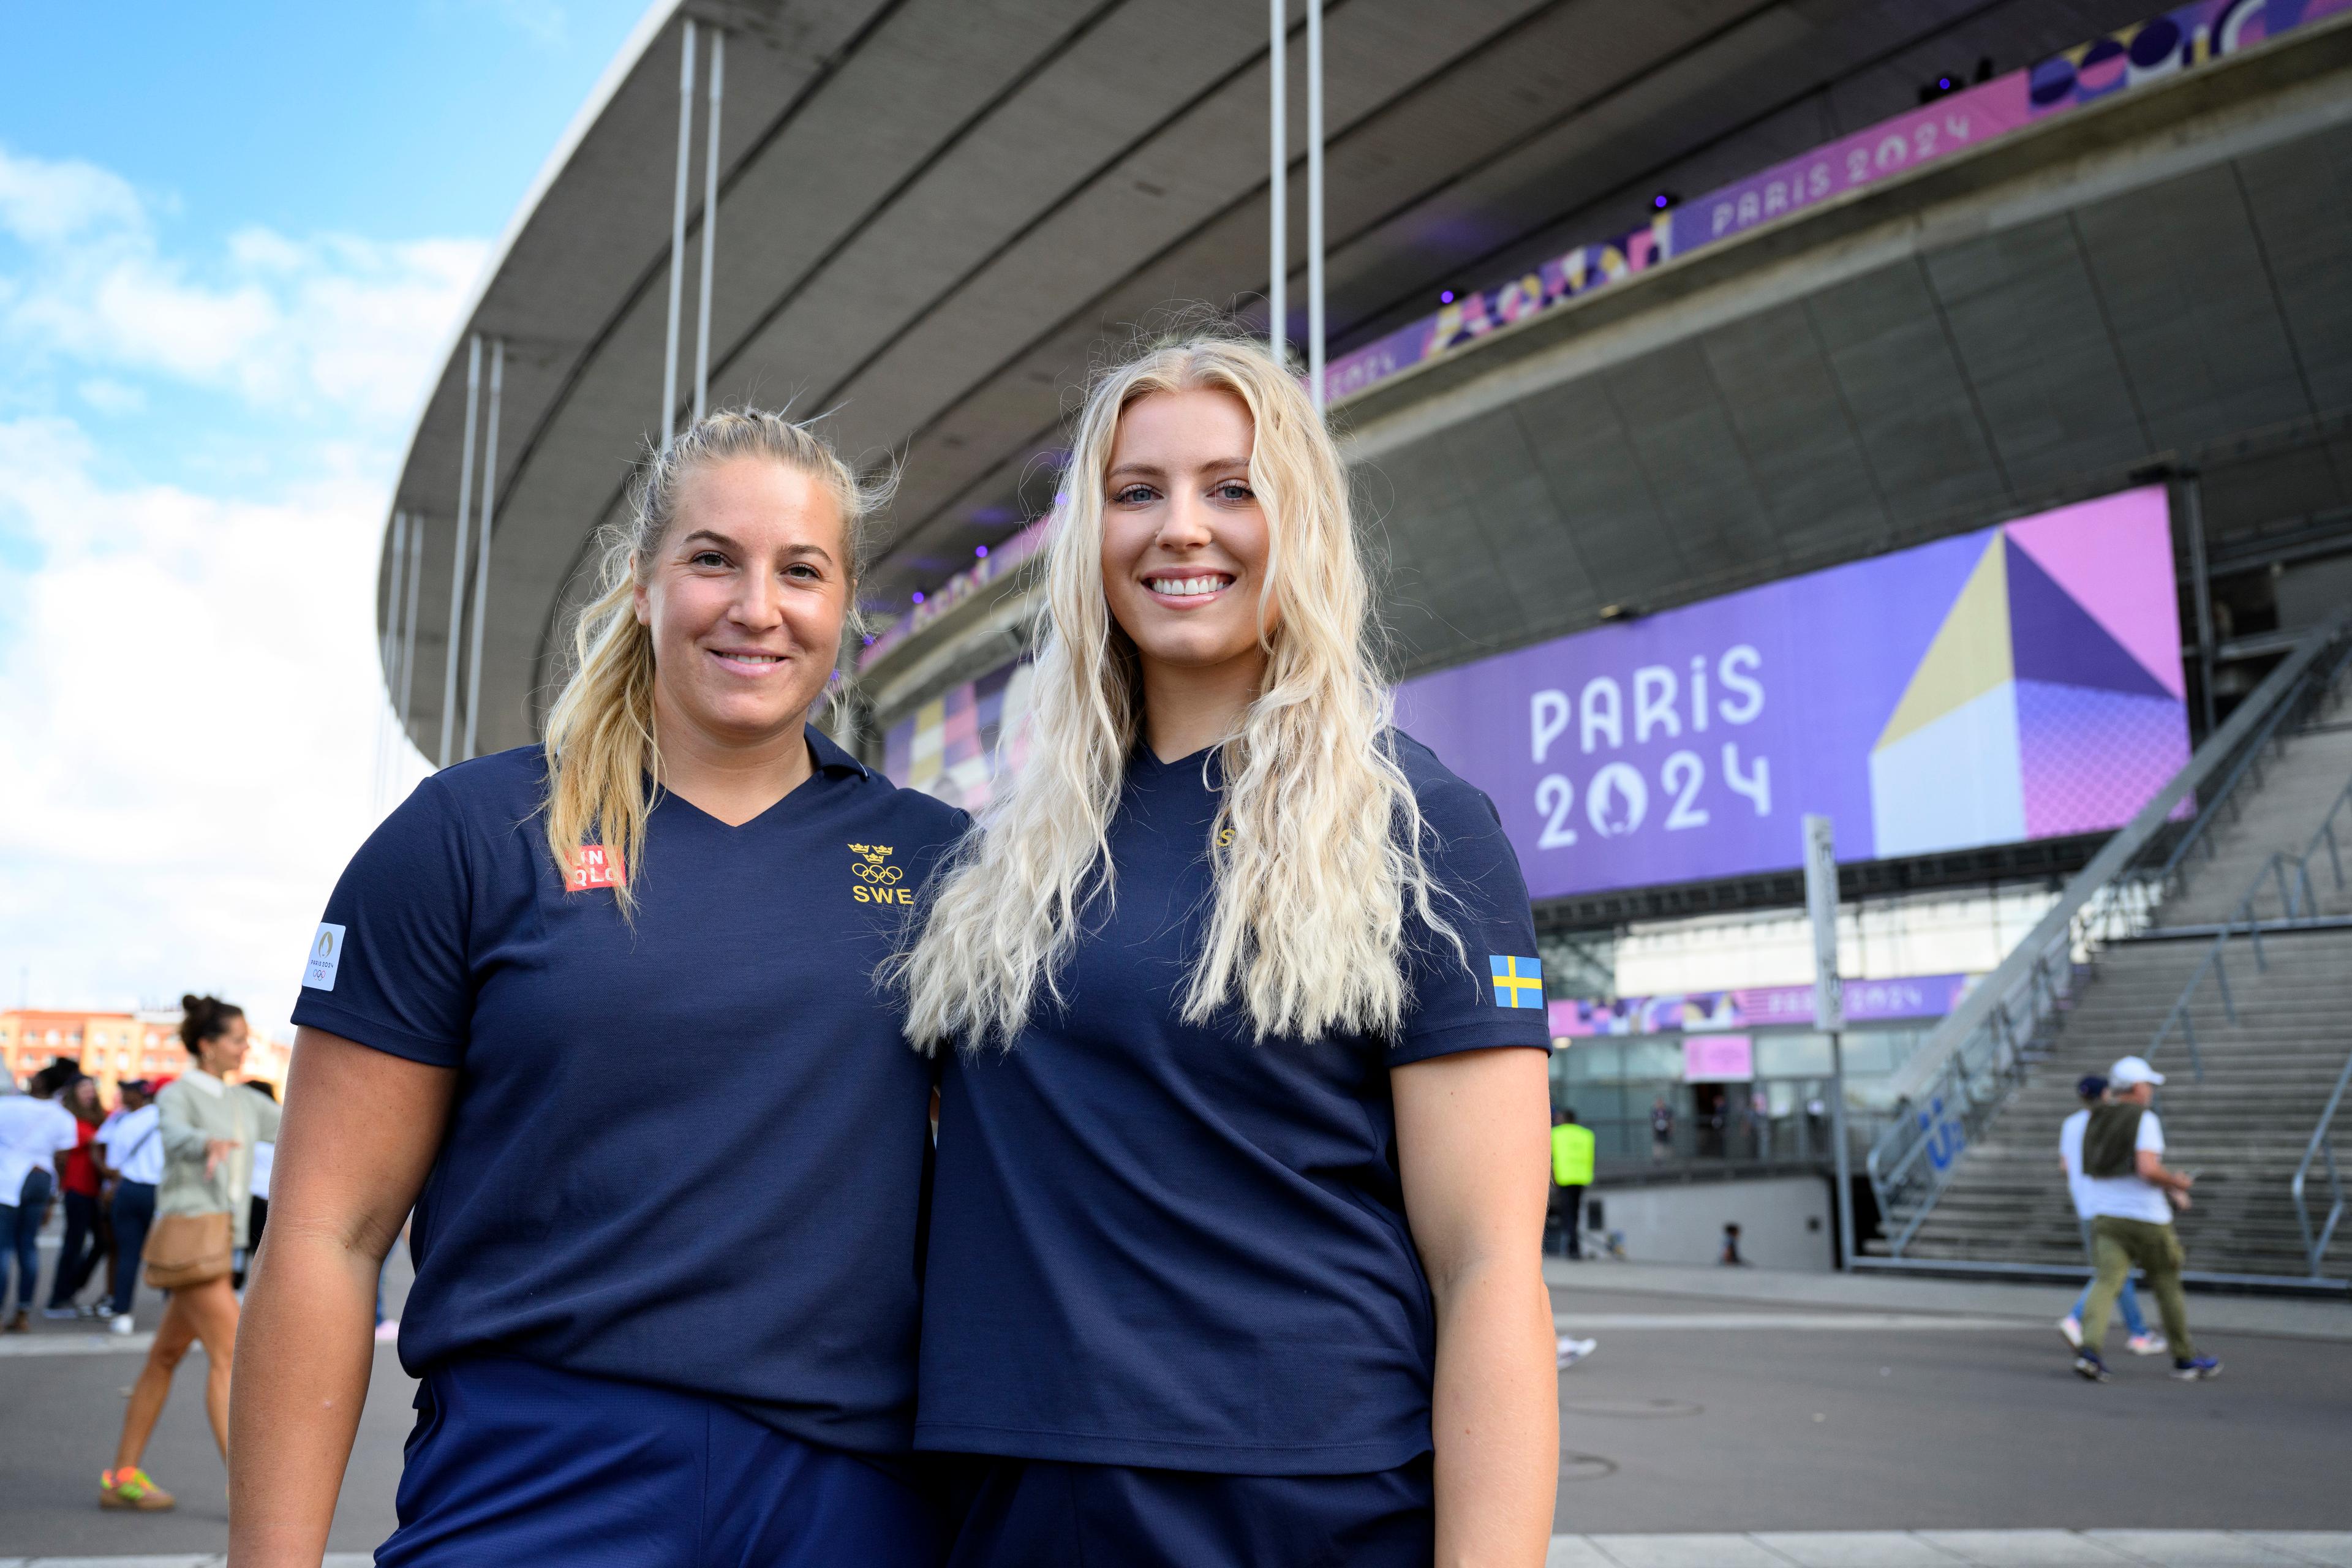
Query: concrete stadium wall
(1784, 1221)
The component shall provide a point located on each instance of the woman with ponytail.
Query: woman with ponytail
(670, 1327)
(208, 1130)
(1240, 1193)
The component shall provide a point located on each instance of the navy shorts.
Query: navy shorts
(1041, 1513)
(517, 1465)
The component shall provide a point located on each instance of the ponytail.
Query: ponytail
(205, 1018)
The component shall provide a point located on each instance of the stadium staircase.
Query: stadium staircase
(2221, 950)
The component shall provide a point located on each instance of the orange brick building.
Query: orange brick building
(111, 1046)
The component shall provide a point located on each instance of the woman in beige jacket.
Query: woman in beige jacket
(209, 1128)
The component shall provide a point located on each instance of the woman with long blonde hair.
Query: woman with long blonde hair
(603, 1011)
(1235, 1241)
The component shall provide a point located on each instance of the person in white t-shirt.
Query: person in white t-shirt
(34, 1129)
(134, 1154)
(2131, 1196)
(2094, 1089)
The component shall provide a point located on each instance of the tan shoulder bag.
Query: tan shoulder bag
(185, 1249)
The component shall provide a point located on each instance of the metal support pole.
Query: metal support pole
(388, 649)
(1844, 1153)
(392, 608)
(2192, 495)
(408, 629)
(677, 233)
(1277, 318)
(1315, 203)
(1829, 1008)
(709, 228)
(482, 549)
(457, 562)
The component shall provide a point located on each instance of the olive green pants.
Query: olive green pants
(2115, 1246)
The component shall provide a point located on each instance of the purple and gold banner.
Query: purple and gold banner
(1759, 1006)
(2178, 40)
(2023, 682)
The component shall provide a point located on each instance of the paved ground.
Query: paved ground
(1855, 1404)
(1727, 1418)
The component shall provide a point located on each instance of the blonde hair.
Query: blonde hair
(601, 742)
(1323, 856)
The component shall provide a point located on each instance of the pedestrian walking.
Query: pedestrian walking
(134, 1142)
(258, 1208)
(1571, 1173)
(1662, 1129)
(2132, 1195)
(78, 1182)
(208, 1129)
(1245, 1088)
(33, 1130)
(662, 1325)
(2093, 1091)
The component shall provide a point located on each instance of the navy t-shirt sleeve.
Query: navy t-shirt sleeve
(400, 980)
(1489, 991)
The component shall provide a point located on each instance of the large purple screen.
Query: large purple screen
(2019, 682)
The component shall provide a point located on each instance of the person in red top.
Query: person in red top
(77, 1177)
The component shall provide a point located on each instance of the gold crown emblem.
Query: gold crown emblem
(874, 853)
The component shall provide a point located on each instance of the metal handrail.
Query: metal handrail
(2322, 1146)
(2297, 903)
(1955, 1083)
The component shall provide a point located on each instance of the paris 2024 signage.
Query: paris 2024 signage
(2024, 681)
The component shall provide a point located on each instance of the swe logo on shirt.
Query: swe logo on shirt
(877, 881)
(326, 957)
(594, 866)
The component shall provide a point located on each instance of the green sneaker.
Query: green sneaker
(130, 1488)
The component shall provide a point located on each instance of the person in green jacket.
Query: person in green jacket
(209, 1129)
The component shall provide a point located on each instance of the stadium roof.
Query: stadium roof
(931, 212)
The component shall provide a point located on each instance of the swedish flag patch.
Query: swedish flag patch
(1518, 982)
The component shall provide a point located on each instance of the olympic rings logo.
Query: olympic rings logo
(878, 876)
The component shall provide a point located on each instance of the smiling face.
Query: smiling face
(1185, 542)
(746, 599)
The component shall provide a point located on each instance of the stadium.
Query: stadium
(1938, 417)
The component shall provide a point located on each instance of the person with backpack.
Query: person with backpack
(2092, 1090)
(2130, 1197)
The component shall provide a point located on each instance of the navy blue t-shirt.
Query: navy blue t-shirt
(1161, 1244)
(691, 1153)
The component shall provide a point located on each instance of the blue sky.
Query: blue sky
(233, 240)
(384, 121)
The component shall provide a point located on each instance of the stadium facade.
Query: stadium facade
(1644, 321)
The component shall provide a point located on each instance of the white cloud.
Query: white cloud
(109, 396)
(186, 684)
(333, 326)
(50, 202)
(188, 676)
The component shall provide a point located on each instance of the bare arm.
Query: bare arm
(359, 1134)
(2150, 1165)
(1471, 1132)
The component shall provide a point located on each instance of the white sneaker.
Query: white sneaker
(119, 1325)
(1572, 1350)
(2071, 1327)
(2148, 1344)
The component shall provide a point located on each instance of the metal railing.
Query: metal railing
(1953, 1085)
(2298, 903)
(2321, 1148)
